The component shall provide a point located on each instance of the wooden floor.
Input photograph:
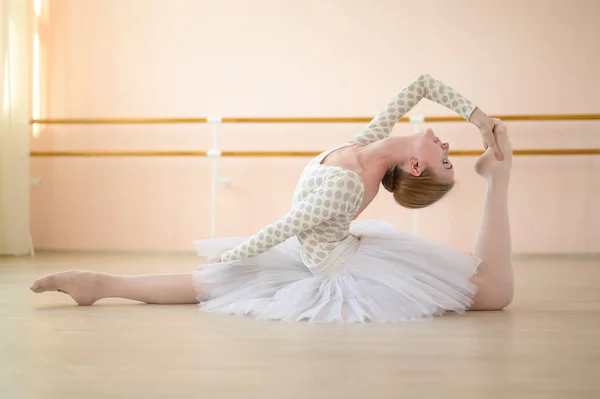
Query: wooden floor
(546, 345)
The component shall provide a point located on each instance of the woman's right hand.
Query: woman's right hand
(486, 128)
(501, 134)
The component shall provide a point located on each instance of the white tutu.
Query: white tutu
(393, 276)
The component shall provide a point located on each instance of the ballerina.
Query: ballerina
(311, 264)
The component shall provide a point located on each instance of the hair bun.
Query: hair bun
(391, 179)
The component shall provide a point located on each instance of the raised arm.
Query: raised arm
(423, 87)
(303, 216)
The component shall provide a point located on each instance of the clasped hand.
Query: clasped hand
(488, 128)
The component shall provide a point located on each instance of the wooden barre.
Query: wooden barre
(458, 153)
(124, 121)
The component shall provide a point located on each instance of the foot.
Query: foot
(487, 165)
(84, 287)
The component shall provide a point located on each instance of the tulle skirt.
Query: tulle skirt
(391, 276)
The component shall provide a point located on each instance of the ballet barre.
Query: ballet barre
(456, 153)
(209, 120)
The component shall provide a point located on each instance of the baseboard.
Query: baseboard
(573, 255)
(109, 252)
(106, 252)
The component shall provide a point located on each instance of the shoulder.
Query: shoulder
(344, 178)
(343, 183)
(325, 178)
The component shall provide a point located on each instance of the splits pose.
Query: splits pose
(312, 265)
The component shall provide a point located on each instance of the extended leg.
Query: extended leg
(88, 287)
(494, 278)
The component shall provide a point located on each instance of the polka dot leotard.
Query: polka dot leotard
(328, 197)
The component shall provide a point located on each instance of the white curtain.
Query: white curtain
(15, 46)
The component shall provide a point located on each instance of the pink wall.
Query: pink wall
(115, 58)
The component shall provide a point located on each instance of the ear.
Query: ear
(415, 168)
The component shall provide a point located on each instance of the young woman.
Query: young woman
(312, 265)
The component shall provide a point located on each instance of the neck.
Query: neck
(387, 153)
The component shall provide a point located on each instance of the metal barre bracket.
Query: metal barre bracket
(214, 120)
(213, 153)
(416, 119)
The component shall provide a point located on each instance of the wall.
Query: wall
(116, 58)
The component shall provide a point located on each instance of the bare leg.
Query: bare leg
(494, 277)
(88, 287)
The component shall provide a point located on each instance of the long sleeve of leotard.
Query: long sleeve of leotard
(424, 86)
(333, 197)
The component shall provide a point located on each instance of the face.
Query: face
(432, 154)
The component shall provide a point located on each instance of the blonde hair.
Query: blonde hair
(415, 192)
